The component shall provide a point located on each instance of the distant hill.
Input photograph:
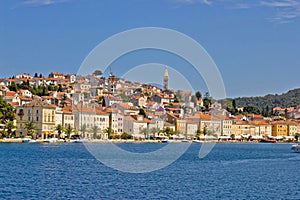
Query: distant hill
(291, 98)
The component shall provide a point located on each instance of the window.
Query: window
(37, 111)
(29, 118)
(37, 119)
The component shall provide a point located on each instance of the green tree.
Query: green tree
(145, 131)
(154, 131)
(97, 73)
(126, 136)
(95, 130)
(109, 132)
(83, 130)
(68, 130)
(59, 129)
(9, 126)
(142, 112)
(6, 111)
(31, 129)
(207, 102)
(198, 95)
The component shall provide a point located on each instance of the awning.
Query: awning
(224, 137)
(138, 135)
(208, 137)
(279, 137)
(238, 137)
(256, 137)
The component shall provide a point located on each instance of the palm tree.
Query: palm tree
(145, 131)
(109, 132)
(59, 129)
(154, 131)
(31, 129)
(9, 125)
(83, 130)
(68, 131)
(95, 130)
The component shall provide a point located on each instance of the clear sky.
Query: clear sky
(255, 44)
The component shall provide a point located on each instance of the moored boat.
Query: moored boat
(267, 141)
(165, 141)
(50, 140)
(296, 148)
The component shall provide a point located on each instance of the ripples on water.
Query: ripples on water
(230, 171)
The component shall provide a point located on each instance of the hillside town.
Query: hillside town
(93, 107)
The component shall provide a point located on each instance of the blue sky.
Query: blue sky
(255, 44)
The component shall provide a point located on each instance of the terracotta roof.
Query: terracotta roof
(10, 94)
(14, 103)
(25, 98)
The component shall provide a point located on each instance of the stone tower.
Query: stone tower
(166, 80)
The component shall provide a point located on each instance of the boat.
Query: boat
(296, 148)
(77, 140)
(32, 141)
(267, 141)
(197, 141)
(50, 140)
(165, 141)
(26, 140)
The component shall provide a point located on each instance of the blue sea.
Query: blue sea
(229, 171)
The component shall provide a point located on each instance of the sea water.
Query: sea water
(229, 171)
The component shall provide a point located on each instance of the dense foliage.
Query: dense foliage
(6, 111)
(263, 104)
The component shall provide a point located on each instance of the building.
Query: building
(86, 119)
(279, 128)
(135, 124)
(40, 113)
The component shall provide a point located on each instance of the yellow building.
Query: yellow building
(279, 129)
(40, 113)
(292, 129)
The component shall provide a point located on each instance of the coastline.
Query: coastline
(20, 140)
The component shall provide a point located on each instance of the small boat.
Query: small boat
(296, 148)
(267, 141)
(197, 141)
(26, 140)
(50, 140)
(77, 140)
(32, 141)
(165, 141)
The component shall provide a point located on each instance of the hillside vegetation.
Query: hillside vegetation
(288, 99)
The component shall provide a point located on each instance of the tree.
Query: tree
(6, 111)
(59, 129)
(207, 102)
(142, 112)
(198, 134)
(9, 126)
(109, 132)
(35, 75)
(205, 132)
(68, 130)
(97, 73)
(126, 136)
(83, 130)
(95, 130)
(168, 131)
(154, 131)
(31, 129)
(198, 95)
(145, 131)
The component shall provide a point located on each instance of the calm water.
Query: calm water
(230, 171)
